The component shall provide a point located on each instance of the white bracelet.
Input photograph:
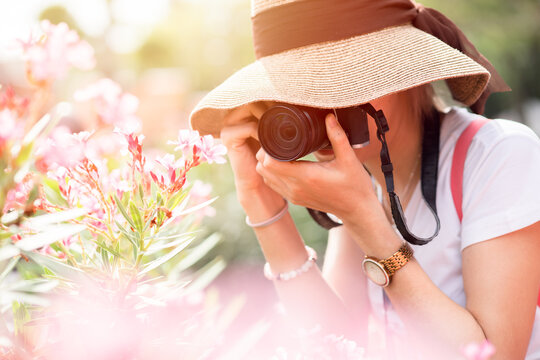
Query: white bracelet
(272, 220)
(312, 257)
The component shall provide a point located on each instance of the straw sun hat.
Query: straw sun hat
(341, 53)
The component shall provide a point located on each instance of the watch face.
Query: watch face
(375, 272)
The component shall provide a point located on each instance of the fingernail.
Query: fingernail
(260, 155)
(331, 119)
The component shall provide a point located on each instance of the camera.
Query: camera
(289, 132)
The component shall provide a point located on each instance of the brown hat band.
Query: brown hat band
(302, 23)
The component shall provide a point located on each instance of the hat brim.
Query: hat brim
(344, 73)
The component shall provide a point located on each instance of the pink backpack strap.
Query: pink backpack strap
(458, 162)
(458, 165)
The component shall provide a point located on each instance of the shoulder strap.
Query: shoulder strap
(458, 162)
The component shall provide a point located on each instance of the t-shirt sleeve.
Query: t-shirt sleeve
(501, 182)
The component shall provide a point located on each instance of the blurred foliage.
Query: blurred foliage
(57, 14)
(211, 39)
(508, 34)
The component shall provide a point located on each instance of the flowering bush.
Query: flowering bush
(101, 234)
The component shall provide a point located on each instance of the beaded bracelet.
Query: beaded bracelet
(312, 257)
(272, 220)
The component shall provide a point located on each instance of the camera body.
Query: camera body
(289, 132)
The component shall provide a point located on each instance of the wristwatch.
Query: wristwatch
(381, 271)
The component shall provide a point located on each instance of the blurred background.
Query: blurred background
(169, 53)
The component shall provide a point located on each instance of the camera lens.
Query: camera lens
(288, 132)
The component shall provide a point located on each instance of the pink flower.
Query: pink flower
(61, 148)
(113, 106)
(186, 139)
(8, 100)
(118, 181)
(169, 162)
(134, 146)
(12, 109)
(51, 56)
(103, 145)
(482, 351)
(176, 173)
(18, 196)
(83, 186)
(209, 151)
(9, 127)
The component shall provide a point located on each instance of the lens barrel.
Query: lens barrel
(288, 132)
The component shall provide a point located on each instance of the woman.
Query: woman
(479, 278)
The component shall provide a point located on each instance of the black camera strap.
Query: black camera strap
(430, 161)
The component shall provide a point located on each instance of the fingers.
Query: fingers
(272, 172)
(279, 167)
(246, 113)
(235, 136)
(340, 143)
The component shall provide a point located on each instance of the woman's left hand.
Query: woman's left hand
(341, 186)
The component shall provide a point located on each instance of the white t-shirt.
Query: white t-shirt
(501, 194)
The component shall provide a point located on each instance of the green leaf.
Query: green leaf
(149, 221)
(34, 286)
(154, 190)
(136, 216)
(52, 234)
(34, 132)
(52, 192)
(122, 209)
(25, 151)
(159, 201)
(55, 218)
(141, 193)
(10, 266)
(116, 258)
(23, 297)
(135, 241)
(196, 207)
(48, 122)
(5, 234)
(155, 247)
(161, 238)
(20, 316)
(57, 267)
(176, 199)
(197, 253)
(130, 235)
(163, 259)
(134, 246)
(206, 275)
(135, 250)
(8, 251)
(105, 258)
(108, 249)
(10, 218)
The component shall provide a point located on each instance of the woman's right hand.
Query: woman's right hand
(239, 135)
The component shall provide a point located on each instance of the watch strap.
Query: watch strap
(398, 260)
